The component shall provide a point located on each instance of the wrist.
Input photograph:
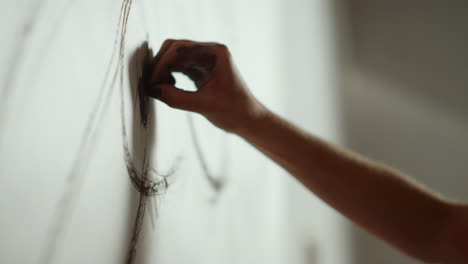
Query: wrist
(249, 122)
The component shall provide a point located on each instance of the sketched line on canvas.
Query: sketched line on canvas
(16, 59)
(142, 182)
(75, 176)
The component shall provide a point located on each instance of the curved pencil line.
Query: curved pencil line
(216, 184)
(139, 181)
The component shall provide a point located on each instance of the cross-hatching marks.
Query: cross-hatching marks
(146, 181)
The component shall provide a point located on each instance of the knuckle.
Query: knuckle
(177, 45)
(168, 41)
(223, 50)
(221, 46)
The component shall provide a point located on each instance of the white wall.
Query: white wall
(54, 60)
(61, 63)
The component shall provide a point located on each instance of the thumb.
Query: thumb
(175, 97)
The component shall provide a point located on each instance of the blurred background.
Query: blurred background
(386, 79)
(403, 97)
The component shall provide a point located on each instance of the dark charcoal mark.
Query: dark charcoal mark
(142, 180)
(143, 82)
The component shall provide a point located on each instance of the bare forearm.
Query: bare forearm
(378, 198)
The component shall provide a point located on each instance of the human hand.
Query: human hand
(221, 96)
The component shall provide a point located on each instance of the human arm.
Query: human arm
(380, 199)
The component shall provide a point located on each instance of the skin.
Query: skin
(378, 198)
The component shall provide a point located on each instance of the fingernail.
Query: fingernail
(154, 92)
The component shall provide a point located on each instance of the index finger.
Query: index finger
(162, 51)
(195, 59)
